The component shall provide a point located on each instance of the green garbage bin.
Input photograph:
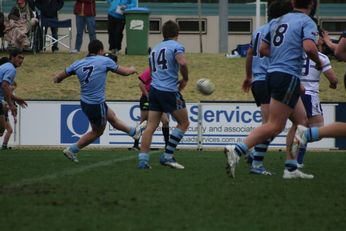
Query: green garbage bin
(137, 31)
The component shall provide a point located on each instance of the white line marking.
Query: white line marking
(72, 171)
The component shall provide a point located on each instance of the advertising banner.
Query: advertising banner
(211, 124)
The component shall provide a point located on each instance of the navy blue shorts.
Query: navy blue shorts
(312, 105)
(144, 103)
(260, 92)
(284, 88)
(2, 111)
(165, 101)
(96, 113)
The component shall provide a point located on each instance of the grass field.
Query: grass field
(41, 190)
(35, 78)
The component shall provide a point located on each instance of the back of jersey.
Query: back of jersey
(92, 73)
(286, 37)
(164, 67)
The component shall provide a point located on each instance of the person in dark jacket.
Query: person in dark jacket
(116, 22)
(49, 9)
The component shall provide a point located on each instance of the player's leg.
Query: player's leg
(156, 99)
(153, 123)
(262, 98)
(97, 116)
(291, 170)
(8, 133)
(315, 119)
(144, 108)
(167, 158)
(165, 127)
(144, 117)
(134, 132)
(174, 103)
(284, 89)
(304, 135)
(2, 119)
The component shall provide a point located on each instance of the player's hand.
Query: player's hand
(333, 85)
(21, 102)
(182, 84)
(246, 85)
(132, 70)
(13, 110)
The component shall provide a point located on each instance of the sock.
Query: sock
(259, 152)
(311, 134)
(136, 143)
(291, 165)
(301, 153)
(173, 141)
(143, 157)
(132, 131)
(74, 148)
(165, 132)
(241, 149)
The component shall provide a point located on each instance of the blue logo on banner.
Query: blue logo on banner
(74, 124)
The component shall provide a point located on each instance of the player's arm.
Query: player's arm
(311, 51)
(332, 78)
(183, 70)
(264, 49)
(142, 88)
(19, 100)
(248, 69)
(60, 77)
(125, 70)
(340, 50)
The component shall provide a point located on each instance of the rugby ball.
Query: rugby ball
(205, 86)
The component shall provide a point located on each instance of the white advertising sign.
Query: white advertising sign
(63, 123)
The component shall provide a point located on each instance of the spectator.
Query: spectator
(49, 9)
(116, 22)
(16, 30)
(26, 12)
(85, 11)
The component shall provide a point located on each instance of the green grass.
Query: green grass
(41, 190)
(35, 78)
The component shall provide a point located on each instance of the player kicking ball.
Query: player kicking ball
(92, 74)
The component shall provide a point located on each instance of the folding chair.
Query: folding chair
(49, 41)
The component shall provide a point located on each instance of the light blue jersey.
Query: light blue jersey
(92, 74)
(8, 74)
(259, 63)
(286, 36)
(164, 67)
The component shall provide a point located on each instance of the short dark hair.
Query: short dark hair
(13, 52)
(95, 46)
(278, 8)
(303, 4)
(170, 29)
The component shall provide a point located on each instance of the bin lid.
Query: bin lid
(137, 10)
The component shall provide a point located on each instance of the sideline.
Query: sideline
(72, 172)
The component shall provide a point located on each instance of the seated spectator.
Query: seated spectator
(16, 30)
(26, 12)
